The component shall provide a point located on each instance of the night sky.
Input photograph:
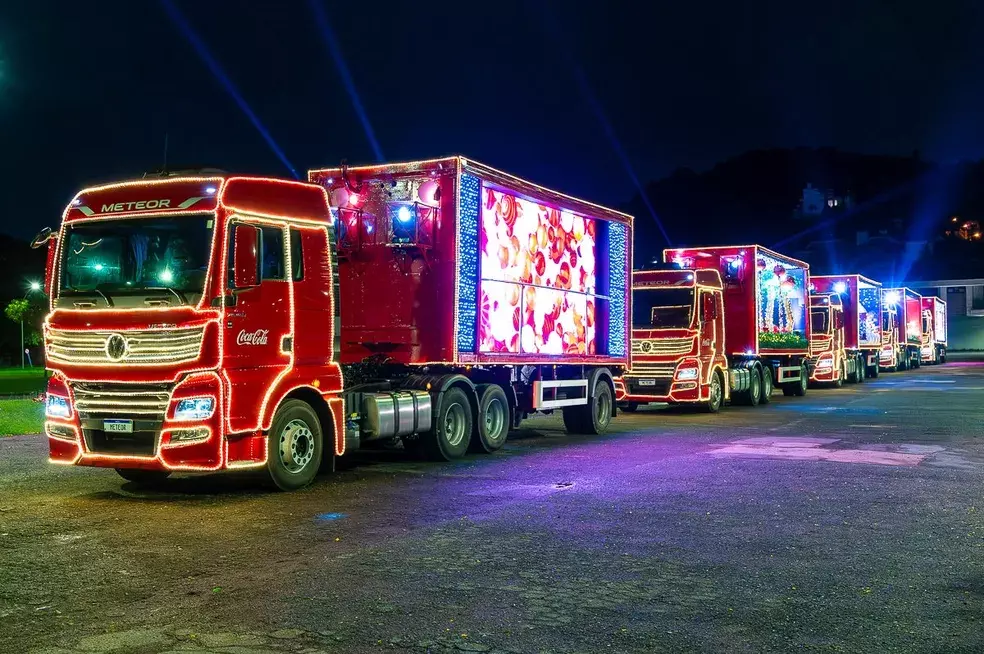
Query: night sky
(88, 90)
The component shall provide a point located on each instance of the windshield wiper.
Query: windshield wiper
(176, 293)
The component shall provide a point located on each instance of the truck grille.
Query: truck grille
(819, 346)
(663, 346)
(652, 370)
(144, 404)
(147, 346)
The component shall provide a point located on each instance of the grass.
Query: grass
(21, 381)
(20, 417)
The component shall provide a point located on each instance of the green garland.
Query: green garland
(782, 340)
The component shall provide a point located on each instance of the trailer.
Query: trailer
(219, 322)
(933, 347)
(718, 324)
(901, 329)
(861, 299)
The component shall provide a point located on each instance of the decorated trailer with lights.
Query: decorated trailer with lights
(832, 363)
(901, 329)
(715, 324)
(203, 323)
(933, 346)
(861, 299)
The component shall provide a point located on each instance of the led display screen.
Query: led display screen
(869, 314)
(538, 277)
(782, 305)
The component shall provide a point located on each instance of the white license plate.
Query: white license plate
(118, 426)
(647, 382)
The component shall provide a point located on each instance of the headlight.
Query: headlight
(686, 374)
(825, 363)
(194, 408)
(56, 406)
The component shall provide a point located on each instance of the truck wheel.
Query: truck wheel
(840, 378)
(754, 394)
(716, 396)
(594, 417)
(874, 371)
(859, 369)
(294, 446)
(493, 419)
(452, 427)
(942, 355)
(767, 385)
(797, 388)
(143, 477)
(917, 360)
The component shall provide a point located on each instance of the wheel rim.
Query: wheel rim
(296, 446)
(715, 391)
(454, 425)
(603, 408)
(495, 419)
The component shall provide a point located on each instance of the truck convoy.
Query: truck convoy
(210, 322)
(901, 329)
(726, 323)
(861, 300)
(204, 322)
(933, 347)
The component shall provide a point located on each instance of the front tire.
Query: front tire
(493, 419)
(143, 477)
(797, 388)
(595, 416)
(716, 396)
(452, 432)
(294, 446)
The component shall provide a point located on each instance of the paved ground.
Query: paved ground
(851, 520)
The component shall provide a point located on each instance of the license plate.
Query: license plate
(647, 382)
(118, 426)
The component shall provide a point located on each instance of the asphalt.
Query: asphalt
(851, 520)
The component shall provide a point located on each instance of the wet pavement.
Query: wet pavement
(851, 520)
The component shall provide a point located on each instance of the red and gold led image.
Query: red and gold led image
(538, 274)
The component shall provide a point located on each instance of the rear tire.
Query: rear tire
(595, 416)
(754, 395)
(148, 478)
(452, 432)
(767, 385)
(859, 371)
(294, 446)
(493, 419)
(874, 371)
(797, 388)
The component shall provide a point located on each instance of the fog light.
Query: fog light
(185, 436)
(56, 406)
(61, 432)
(194, 408)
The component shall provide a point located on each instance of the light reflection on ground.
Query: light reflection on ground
(824, 449)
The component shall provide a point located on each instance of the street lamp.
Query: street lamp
(32, 287)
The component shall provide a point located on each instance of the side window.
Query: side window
(272, 252)
(296, 255)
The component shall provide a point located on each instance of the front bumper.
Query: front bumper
(157, 440)
(643, 390)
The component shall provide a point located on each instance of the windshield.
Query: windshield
(887, 322)
(662, 308)
(137, 257)
(819, 321)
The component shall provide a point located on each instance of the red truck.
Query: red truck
(861, 299)
(728, 323)
(831, 362)
(901, 329)
(203, 323)
(933, 347)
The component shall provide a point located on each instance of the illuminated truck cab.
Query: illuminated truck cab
(832, 362)
(159, 359)
(933, 347)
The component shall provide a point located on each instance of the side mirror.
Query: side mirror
(245, 256)
(43, 237)
(710, 308)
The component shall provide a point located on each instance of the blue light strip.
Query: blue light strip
(618, 287)
(469, 205)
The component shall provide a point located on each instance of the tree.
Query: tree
(23, 310)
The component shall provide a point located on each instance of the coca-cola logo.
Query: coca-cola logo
(259, 337)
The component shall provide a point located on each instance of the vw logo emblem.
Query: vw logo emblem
(116, 347)
(646, 346)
